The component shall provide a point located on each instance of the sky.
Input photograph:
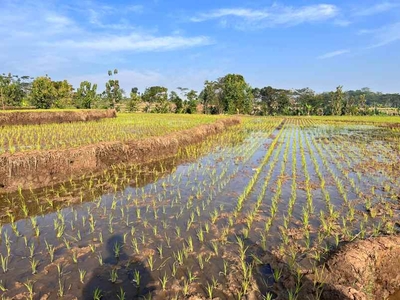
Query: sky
(181, 43)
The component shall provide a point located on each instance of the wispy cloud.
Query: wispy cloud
(376, 9)
(135, 42)
(333, 54)
(236, 12)
(135, 8)
(384, 35)
(342, 22)
(110, 17)
(276, 15)
(39, 36)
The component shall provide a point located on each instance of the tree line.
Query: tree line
(230, 94)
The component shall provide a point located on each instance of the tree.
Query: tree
(211, 97)
(86, 95)
(43, 93)
(350, 106)
(64, 94)
(309, 103)
(337, 101)
(174, 98)
(113, 92)
(362, 104)
(237, 95)
(134, 101)
(155, 94)
(183, 91)
(191, 105)
(13, 89)
(273, 101)
(159, 96)
(190, 102)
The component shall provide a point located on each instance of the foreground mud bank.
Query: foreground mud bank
(44, 117)
(360, 270)
(366, 269)
(42, 168)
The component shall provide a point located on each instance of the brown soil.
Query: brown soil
(44, 117)
(41, 168)
(361, 270)
(366, 269)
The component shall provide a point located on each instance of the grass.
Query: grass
(254, 195)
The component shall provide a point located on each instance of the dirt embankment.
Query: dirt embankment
(366, 269)
(45, 117)
(42, 168)
(360, 270)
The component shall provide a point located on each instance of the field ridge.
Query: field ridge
(35, 169)
(47, 117)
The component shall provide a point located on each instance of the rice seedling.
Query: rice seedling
(113, 275)
(121, 294)
(300, 188)
(117, 249)
(97, 294)
(34, 264)
(29, 287)
(150, 262)
(82, 274)
(4, 262)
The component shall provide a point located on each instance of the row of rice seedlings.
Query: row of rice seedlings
(362, 153)
(141, 214)
(60, 224)
(351, 212)
(352, 184)
(112, 177)
(257, 172)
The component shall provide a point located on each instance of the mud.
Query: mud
(44, 117)
(41, 168)
(360, 270)
(366, 269)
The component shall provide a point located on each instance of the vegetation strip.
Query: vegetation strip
(40, 168)
(46, 117)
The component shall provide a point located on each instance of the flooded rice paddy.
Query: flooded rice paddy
(252, 213)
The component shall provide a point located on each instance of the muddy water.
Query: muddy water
(176, 223)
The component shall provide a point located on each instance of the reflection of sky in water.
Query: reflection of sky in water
(216, 178)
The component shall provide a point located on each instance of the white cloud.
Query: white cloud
(58, 21)
(108, 17)
(41, 37)
(135, 8)
(384, 35)
(236, 12)
(376, 9)
(135, 42)
(333, 54)
(276, 15)
(342, 22)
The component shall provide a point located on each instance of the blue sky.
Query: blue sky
(285, 44)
